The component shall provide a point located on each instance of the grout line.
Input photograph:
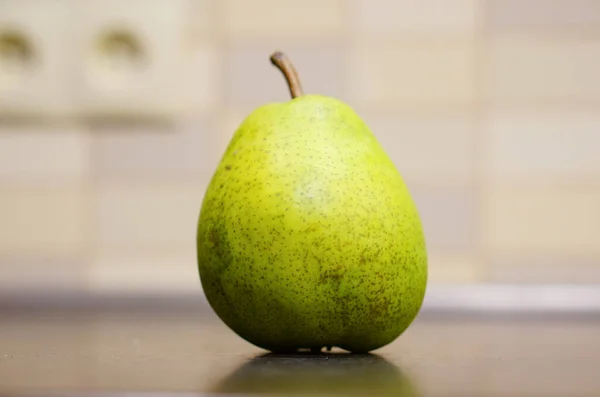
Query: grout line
(479, 143)
(219, 40)
(89, 188)
(347, 44)
(222, 110)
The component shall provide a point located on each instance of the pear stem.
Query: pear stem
(286, 67)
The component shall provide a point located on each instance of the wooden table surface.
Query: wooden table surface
(190, 352)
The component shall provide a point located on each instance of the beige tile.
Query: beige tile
(42, 273)
(427, 149)
(542, 268)
(302, 19)
(398, 18)
(396, 75)
(527, 69)
(155, 153)
(203, 71)
(511, 14)
(139, 273)
(542, 221)
(43, 221)
(253, 81)
(452, 268)
(43, 156)
(448, 215)
(160, 217)
(151, 83)
(544, 146)
(203, 17)
(37, 85)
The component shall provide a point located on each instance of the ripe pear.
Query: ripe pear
(308, 237)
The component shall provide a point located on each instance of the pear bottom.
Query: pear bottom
(358, 312)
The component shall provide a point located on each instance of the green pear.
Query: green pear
(308, 237)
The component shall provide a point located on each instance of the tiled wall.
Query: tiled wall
(490, 109)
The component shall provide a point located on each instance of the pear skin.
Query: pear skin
(308, 236)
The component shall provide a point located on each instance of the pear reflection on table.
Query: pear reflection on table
(320, 374)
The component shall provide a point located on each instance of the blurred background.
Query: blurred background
(114, 115)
